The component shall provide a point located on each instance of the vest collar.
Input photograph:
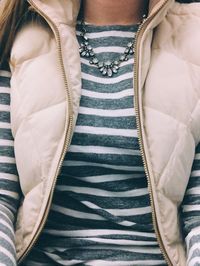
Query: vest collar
(66, 11)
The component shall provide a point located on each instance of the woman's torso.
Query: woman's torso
(101, 212)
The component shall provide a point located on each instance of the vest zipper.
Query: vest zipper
(139, 35)
(68, 132)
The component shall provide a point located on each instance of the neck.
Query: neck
(120, 12)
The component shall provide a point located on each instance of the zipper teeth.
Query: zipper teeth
(140, 137)
(68, 130)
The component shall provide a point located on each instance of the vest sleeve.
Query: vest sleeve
(190, 212)
(9, 184)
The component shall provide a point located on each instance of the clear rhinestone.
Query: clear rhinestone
(89, 47)
(110, 73)
(95, 60)
(100, 64)
(127, 50)
(85, 38)
(108, 63)
(83, 53)
(87, 54)
(114, 69)
(144, 17)
(122, 57)
(102, 69)
(105, 71)
(81, 49)
(116, 62)
(92, 54)
(130, 44)
(131, 51)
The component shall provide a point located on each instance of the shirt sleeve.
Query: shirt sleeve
(9, 184)
(191, 213)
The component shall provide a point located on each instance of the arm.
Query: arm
(9, 185)
(191, 213)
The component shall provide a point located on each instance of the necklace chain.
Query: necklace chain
(107, 68)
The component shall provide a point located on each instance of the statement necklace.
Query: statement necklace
(107, 68)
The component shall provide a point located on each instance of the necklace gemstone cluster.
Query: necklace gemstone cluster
(107, 67)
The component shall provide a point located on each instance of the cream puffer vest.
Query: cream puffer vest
(45, 94)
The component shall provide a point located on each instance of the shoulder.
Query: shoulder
(179, 32)
(32, 40)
